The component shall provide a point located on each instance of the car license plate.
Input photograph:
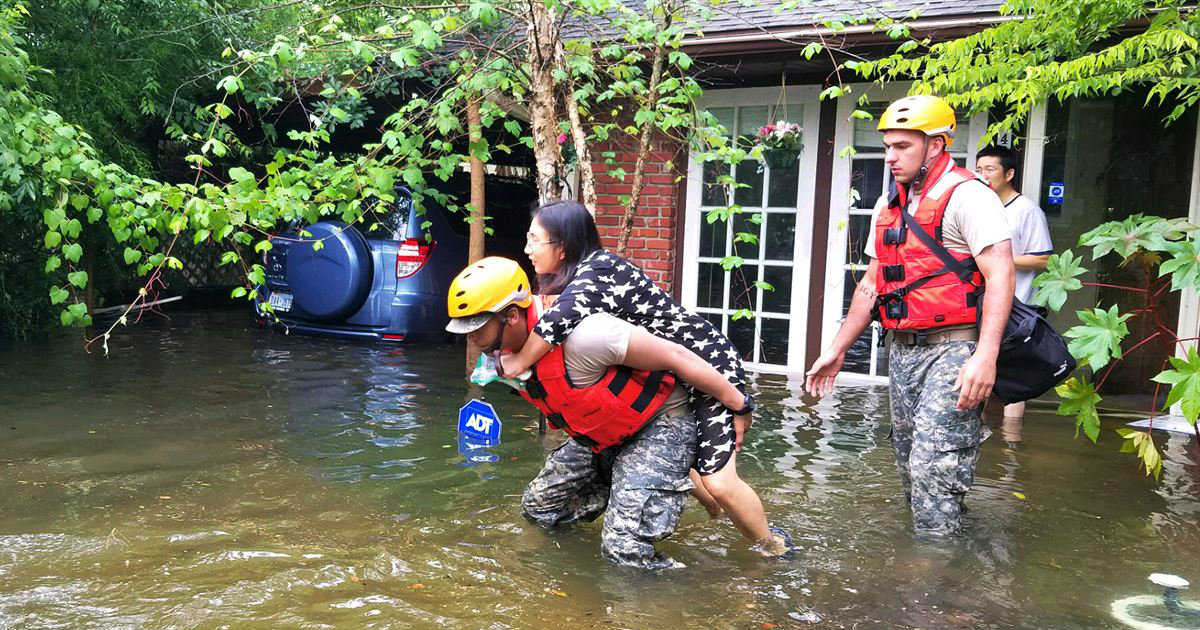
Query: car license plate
(281, 301)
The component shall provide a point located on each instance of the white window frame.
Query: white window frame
(801, 95)
(840, 207)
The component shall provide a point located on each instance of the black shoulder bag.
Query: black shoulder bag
(1033, 357)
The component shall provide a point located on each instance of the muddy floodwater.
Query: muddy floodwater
(211, 474)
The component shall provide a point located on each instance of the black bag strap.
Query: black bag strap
(949, 262)
(963, 271)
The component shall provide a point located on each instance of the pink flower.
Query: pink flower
(562, 137)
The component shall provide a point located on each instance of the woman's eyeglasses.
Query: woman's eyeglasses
(534, 242)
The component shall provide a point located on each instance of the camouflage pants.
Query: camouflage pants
(936, 445)
(642, 484)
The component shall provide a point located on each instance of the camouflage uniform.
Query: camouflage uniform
(936, 445)
(642, 483)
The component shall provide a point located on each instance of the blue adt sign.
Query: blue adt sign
(1054, 194)
(478, 422)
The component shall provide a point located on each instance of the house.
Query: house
(1085, 161)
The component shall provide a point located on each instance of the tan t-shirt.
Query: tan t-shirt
(974, 218)
(600, 342)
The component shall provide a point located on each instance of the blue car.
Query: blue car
(388, 285)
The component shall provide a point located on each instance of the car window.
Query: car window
(392, 216)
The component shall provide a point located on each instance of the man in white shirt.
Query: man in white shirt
(1031, 246)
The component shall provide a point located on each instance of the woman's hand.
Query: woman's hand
(741, 424)
(510, 365)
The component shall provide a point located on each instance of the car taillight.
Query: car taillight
(412, 256)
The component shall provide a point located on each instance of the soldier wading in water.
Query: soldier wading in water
(945, 329)
(612, 387)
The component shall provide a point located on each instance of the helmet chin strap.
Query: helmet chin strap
(918, 182)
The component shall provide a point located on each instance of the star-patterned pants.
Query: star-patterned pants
(606, 283)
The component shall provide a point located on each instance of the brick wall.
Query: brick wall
(652, 242)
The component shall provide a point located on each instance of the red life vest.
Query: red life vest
(601, 415)
(916, 290)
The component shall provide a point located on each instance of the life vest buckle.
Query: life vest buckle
(557, 421)
(893, 273)
(896, 309)
(896, 235)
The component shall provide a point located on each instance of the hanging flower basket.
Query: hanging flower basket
(781, 142)
(779, 159)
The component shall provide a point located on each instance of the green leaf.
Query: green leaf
(1098, 338)
(1142, 442)
(73, 252)
(730, 262)
(72, 228)
(132, 255)
(53, 218)
(1184, 265)
(58, 295)
(52, 239)
(230, 84)
(1058, 280)
(52, 263)
(406, 57)
(238, 292)
(742, 313)
(78, 278)
(1184, 380)
(1137, 233)
(262, 246)
(1080, 400)
(765, 286)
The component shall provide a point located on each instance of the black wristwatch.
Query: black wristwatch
(748, 406)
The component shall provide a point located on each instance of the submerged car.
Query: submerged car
(389, 284)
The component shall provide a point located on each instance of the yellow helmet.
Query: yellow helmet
(922, 112)
(483, 289)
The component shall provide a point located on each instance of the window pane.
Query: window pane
(748, 173)
(866, 138)
(860, 228)
(779, 300)
(792, 113)
(712, 237)
(714, 318)
(751, 119)
(742, 292)
(782, 190)
(781, 235)
(725, 116)
(710, 286)
(712, 193)
(866, 177)
(744, 222)
(741, 333)
(774, 346)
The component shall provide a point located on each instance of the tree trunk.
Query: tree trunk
(587, 179)
(644, 142)
(542, 110)
(475, 243)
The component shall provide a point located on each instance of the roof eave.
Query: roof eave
(789, 37)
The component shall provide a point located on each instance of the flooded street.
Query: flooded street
(211, 474)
